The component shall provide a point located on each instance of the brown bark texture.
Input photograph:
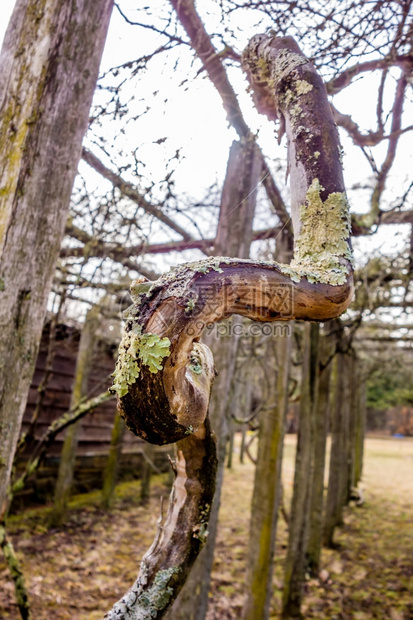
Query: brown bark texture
(164, 373)
(49, 67)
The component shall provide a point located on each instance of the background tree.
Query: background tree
(47, 80)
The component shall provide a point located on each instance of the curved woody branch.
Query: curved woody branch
(164, 373)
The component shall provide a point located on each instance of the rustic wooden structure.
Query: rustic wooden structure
(96, 427)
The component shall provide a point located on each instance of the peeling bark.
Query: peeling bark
(164, 374)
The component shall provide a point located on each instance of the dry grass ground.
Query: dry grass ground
(77, 571)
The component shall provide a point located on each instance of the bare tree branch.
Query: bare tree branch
(345, 78)
(127, 189)
(101, 249)
(212, 61)
(369, 139)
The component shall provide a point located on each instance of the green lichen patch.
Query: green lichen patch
(152, 350)
(288, 97)
(298, 87)
(196, 363)
(136, 349)
(190, 305)
(289, 271)
(296, 111)
(321, 251)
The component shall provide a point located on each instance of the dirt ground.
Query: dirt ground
(79, 570)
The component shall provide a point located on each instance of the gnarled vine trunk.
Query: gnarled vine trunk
(164, 374)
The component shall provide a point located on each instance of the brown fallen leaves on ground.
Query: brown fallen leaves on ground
(79, 570)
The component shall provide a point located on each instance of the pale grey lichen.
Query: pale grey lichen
(200, 266)
(286, 62)
(144, 604)
(136, 349)
(302, 87)
(205, 265)
(288, 97)
(140, 286)
(157, 597)
(321, 250)
(296, 111)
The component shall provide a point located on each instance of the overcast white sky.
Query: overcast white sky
(207, 127)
